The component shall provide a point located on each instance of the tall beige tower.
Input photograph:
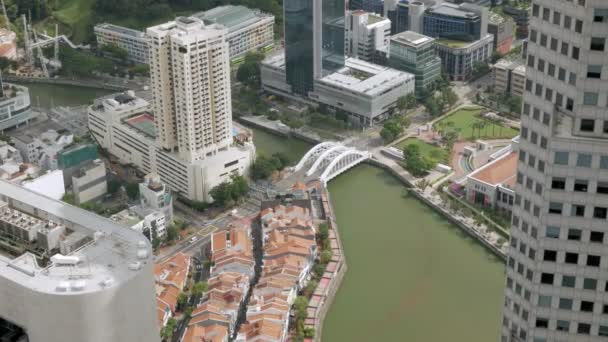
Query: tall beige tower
(190, 72)
(557, 278)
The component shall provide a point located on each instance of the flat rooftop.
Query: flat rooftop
(500, 171)
(114, 255)
(365, 78)
(231, 17)
(452, 10)
(121, 30)
(143, 123)
(411, 38)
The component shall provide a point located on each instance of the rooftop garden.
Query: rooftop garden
(451, 43)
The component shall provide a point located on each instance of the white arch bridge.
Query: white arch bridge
(330, 159)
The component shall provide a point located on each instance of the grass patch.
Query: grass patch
(78, 15)
(435, 153)
(452, 43)
(464, 120)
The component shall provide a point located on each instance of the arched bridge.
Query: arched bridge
(330, 159)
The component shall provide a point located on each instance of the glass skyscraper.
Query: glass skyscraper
(314, 41)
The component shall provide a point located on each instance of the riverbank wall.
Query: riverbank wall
(274, 127)
(443, 211)
(97, 84)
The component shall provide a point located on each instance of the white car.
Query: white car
(193, 239)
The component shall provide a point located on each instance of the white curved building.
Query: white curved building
(100, 289)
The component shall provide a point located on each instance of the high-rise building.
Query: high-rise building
(367, 35)
(67, 274)
(133, 41)
(415, 53)
(556, 277)
(314, 41)
(190, 72)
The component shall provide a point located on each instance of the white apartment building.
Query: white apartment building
(133, 41)
(366, 34)
(42, 149)
(101, 289)
(509, 77)
(143, 221)
(248, 29)
(122, 124)
(557, 267)
(155, 195)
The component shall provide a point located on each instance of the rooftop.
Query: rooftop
(143, 123)
(114, 255)
(232, 17)
(452, 10)
(501, 171)
(120, 29)
(411, 38)
(378, 78)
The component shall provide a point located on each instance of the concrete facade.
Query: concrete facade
(556, 276)
(509, 77)
(366, 34)
(15, 106)
(132, 41)
(89, 182)
(458, 58)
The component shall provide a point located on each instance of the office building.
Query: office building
(122, 124)
(101, 289)
(458, 57)
(519, 11)
(15, 106)
(509, 77)
(130, 40)
(371, 6)
(465, 22)
(502, 29)
(248, 29)
(415, 53)
(556, 276)
(367, 35)
(89, 183)
(407, 15)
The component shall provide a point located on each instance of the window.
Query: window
(597, 43)
(544, 301)
(583, 160)
(600, 212)
(546, 14)
(590, 98)
(571, 258)
(587, 125)
(596, 236)
(535, 10)
(549, 94)
(577, 210)
(594, 71)
(586, 306)
(543, 39)
(550, 255)
(578, 26)
(602, 188)
(565, 303)
(557, 18)
(604, 162)
(543, 143)
(584, 328)
(533, 35)
(580, 185)
(600, 15)
(532, 252)
(546, 118)
(531, 61)
(542, 323)
(541, 65)
(593, 260)
(562, 325)
(568, 281)
(547, 278)
(555, 208)
(539, 89)
(538, 189)
(551, 70)
(561, 74)
(567, 21)
(552, 232)
(575, 53)
(561, 158)
(541, 166)
(590, 284)
(558, 183)
(605, 126)
(554, 44)
(574, 234)
(603, 330)
(565, 48)
(569, 104)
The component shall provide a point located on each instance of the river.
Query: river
(412, 276)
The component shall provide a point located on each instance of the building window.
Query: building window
(551, 68)
(558, 183)
(565, 303)
(578, 26)
(568, 281)
(547, 278)
(550, 255)
(586, 306)
(571, 258)
(590, 284)
(590, 98)
(574, 234)
(562, 325)
(600, 213)
(583, 160)
(605, 128)
(580, 185)
(567, 21)
(594, 71)
(602, 188)
(552, 232)
(565, 49)
(578, 210)
(593, 260)
(561, 158)
(584, 328)
(604, 162)
(575, 53)
(544, 301)
(587, 125)
(557, 18)
(596, 236)
(603, 330)
(555, 208)
(597, 43)
(600, 15)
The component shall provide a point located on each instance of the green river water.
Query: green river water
(412, 276)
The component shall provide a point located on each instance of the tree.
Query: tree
(249, 72)
(325, 257)
(227, 193)
(391, 130)
(167, 331)
(415, 162)
(116, 52)
(172, 233)
(182, 300)
(432, 106)
(300, 306)
(406, 102)
(199, 288)
(448, 97)
(113, 186)
(480, 69)
(132, 190)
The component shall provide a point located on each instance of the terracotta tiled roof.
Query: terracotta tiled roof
(210, 333)
(173, 271)
(501, 171)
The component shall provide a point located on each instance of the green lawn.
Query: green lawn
(435, 153)
(463, 120)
